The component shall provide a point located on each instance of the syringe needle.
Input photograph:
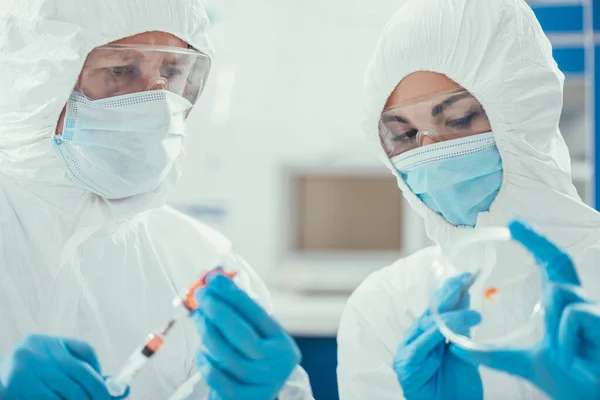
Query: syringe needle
(170, 325)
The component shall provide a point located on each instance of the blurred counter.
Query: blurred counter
(309, 314)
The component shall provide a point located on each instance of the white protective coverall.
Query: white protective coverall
(497, 50)
(71, 263)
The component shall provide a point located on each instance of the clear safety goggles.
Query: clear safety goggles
(448, 115)
(115, 70)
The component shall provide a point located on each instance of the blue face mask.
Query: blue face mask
(458, 178)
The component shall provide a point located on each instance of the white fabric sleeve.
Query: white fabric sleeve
(368, 336)
(297, 387)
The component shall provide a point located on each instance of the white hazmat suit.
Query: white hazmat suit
(74, 264)
(497, 50)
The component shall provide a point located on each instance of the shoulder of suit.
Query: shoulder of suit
(176, 224)
(402, 273)
(396, 285)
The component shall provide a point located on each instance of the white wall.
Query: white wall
(285, 87)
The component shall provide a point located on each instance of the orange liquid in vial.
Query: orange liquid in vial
(490, 293)
(190, 302)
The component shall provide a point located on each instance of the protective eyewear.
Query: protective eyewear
(443, 116)
(115, 70)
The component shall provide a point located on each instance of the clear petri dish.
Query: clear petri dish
(494, 275)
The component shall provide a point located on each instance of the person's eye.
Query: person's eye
(121, 71)
(170, 72)
(464, 122)
(405, 136)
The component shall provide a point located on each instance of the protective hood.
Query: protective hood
(74, 264)
(43, 46)
(497, 50)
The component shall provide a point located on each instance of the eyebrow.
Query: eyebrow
(394, 118)
(437, 110)
(173, 59)
(124, 55)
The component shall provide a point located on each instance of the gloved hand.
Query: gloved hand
(425, 368)
(249, 355)
(46, 367)
(566, 363)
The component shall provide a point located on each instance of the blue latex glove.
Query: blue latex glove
(566, 363)
(425, 368)
(46, 367)
(249, 355)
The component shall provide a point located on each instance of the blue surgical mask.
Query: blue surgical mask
(457, 178)
(122, 146)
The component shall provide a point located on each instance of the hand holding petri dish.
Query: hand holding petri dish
(500, 280)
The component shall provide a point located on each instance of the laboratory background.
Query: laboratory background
(278, 162)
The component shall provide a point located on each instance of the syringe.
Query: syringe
(184, 305)
(187, 388)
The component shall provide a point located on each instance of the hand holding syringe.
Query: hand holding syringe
(184, 305)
